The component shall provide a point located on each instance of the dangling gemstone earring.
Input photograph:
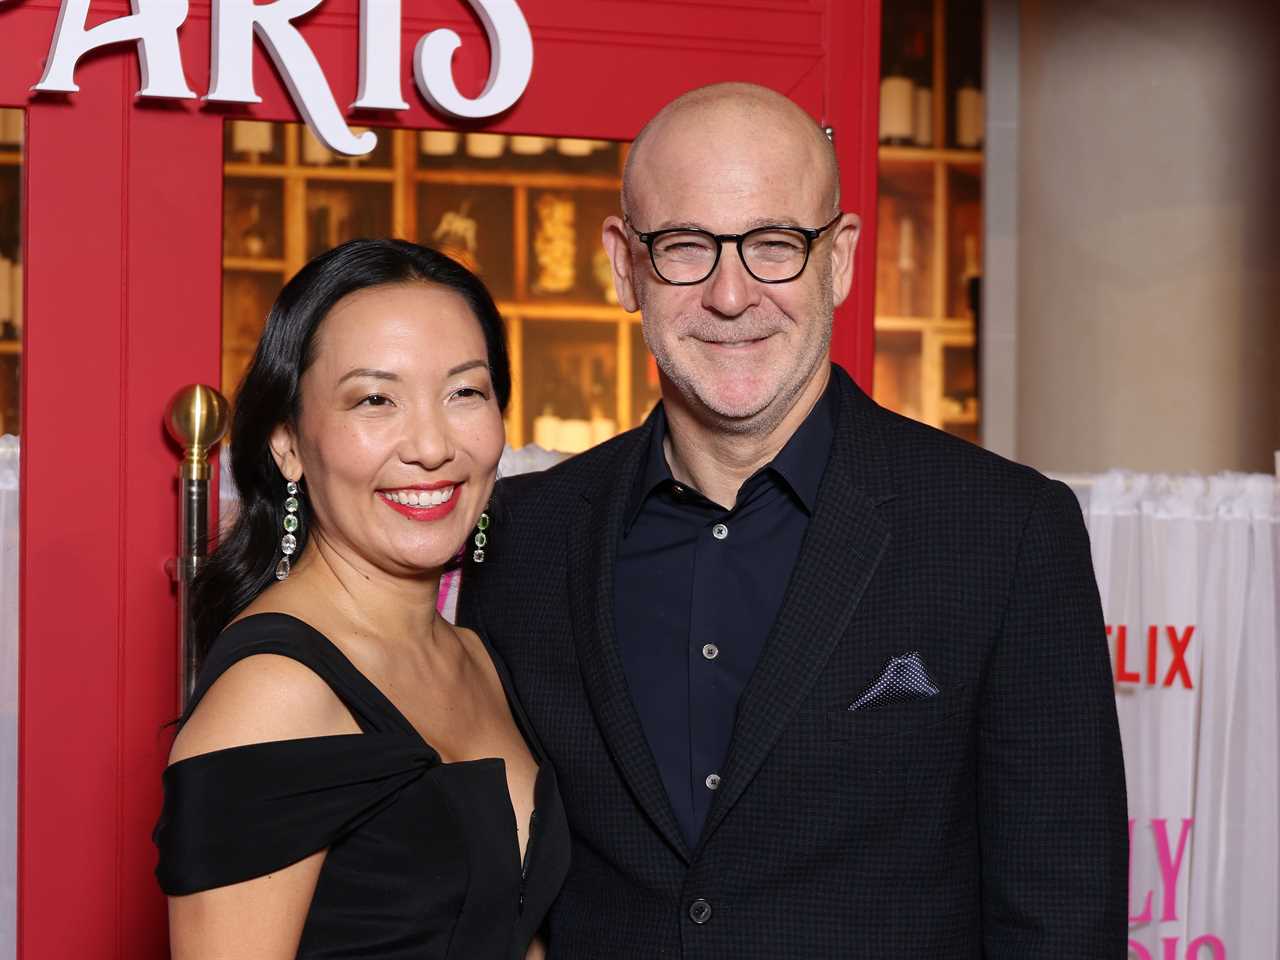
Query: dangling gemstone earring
(481, 538)
(288, 543)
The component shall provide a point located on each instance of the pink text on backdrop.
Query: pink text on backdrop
(1170, 655)
(1169, 857)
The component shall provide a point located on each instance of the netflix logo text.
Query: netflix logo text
(1156, 659)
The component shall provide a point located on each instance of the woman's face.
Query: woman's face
(399, 432)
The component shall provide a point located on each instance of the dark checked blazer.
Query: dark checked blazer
(986, 821)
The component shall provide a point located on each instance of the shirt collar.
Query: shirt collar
(800, 463)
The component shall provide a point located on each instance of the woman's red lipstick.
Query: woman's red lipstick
(437, 512)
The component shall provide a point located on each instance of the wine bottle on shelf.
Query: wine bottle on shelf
(15, 305)
(7, 329)
(922, 117)
(916, 54)
(253, 139)
(970, 114)
(897, 90)
(602, 425)
(575, 427)
(973, 286)
(887, 287)
(907, 267)
(254, 240)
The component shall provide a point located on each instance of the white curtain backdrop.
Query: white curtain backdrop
(8, 695)
(1187, 569)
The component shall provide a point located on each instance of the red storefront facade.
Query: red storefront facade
(122, 246)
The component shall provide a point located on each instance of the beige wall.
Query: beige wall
(1147, 224)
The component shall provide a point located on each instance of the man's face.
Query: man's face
(738, 347)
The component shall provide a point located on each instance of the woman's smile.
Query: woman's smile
(427, 502)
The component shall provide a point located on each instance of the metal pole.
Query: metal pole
(197, 420)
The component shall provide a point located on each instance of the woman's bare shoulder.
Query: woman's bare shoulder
(262, 698)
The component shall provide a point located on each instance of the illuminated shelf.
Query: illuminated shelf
(530, 310)
(929, 234)
(10, 347)
(967, 158)
(254, 264)
(537, 179)
(307, 171)
(572, 351)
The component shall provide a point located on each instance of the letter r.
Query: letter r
(231, 66)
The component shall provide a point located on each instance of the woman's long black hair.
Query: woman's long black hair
(244, 563)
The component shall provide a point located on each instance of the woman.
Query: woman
(354, 777)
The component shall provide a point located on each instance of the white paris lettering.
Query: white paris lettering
(154, 24)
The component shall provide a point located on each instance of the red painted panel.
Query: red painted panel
(172, 337)
(853, 72)
(73, 545)
(123, 271)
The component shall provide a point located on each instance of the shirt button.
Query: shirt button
(713, 781)
(699, 911)
(719, 531)
(710, 651)
(677, 489)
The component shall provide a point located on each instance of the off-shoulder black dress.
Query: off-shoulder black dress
(423, 857)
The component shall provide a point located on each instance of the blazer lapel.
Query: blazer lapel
(593, 547)
(839, 555)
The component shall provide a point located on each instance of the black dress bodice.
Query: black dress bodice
(423, 858)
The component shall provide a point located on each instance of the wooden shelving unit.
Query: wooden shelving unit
(11, 159)
(270, 200)
(930, 210)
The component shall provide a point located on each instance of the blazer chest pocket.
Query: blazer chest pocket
(895, 721)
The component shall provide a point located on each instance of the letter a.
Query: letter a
(153, 25)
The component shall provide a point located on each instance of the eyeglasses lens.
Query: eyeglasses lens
(773, 255)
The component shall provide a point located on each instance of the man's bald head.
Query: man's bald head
(738, 108)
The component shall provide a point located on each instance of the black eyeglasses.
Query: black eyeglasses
(774, 254)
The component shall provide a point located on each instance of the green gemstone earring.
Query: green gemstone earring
(288, 543)
(481, 538)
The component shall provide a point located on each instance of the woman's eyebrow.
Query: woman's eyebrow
(368, 373)
(463, 367)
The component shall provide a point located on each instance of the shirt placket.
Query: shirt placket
(710, 715)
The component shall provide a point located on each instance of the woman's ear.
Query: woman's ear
(284, 448)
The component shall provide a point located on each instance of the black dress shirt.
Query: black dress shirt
(697, 590)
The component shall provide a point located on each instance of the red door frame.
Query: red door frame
(123, 220)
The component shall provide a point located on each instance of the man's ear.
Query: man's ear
(284, 448)
(617, 245)
(844, 243)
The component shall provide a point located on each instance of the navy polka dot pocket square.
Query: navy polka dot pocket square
(904, 679)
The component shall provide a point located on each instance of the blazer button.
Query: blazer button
(699, 911)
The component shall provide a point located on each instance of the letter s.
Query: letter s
(511, 62)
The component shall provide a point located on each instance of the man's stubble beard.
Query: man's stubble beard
(775, 408)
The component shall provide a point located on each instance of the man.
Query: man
(816, 680)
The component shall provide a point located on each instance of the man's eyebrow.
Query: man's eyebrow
(368, 373)
(751, 224)
(772, 222)
(464, 367)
